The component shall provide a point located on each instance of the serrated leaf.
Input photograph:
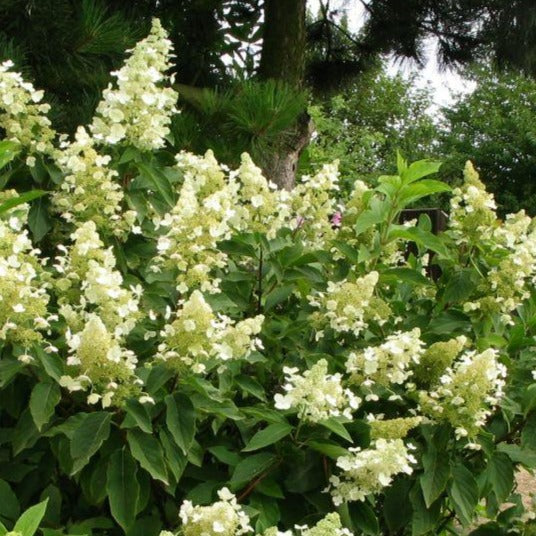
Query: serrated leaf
(139, 414)
(39, 220)
(180, 420)
(9, 504)
(396, 508)
(92, 431)
(436, 474)
(500, 473)
(43, 400)
(148, 451)
(251, 386)
(251, 467)
(122, 488)
(363, 518)
(271, 434)
(157, 182)
(463, 492)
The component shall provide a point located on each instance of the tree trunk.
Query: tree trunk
(283, 46)
(283, 59)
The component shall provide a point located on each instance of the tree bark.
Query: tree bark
(283, 59)
(283, 47)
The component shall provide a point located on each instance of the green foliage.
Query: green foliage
(252, 117)
(212, 354)
(368, 122)
(494, 127)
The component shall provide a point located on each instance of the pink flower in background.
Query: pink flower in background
(336, 219)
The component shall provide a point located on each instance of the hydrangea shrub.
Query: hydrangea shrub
(187, 349)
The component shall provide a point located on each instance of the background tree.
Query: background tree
(494, 127)
(364, 126)
(221, 41)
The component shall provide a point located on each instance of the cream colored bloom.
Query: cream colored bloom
(197, 335)
(22, 115)
(138, 110)
(366, 472)
(223, 518)
(316, 395)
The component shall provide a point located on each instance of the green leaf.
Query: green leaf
(377, 213)
(180, 420)
(271, 434)
(39, 220)
(139, 414)
(122, 487)
(337, 428)
(363, 518)
(9, 504)
(418, 170)
(424, 519)
(278, 295)
(92, 431)
(251, 467)
(436, 474)
(424, 188)
(500, 473)
(8, 151)
(251, 386)
(176, 460)
(25, 434)
(396, 507)
(3, 529)
(422, 238)
(148, 451)
(463, 492)
(8, 370)
(406, 275)
(28, 522)
(528, 435)
(332, 450)
(459, 287)
(26, 197)
(52, 363)
(224, 455)
(157, 182)
(43, 400)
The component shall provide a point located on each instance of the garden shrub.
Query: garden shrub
(186, 348)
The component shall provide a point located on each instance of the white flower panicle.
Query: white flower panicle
(467, 392)
(472, 210)
(316, 395)
(99, 313)
(344, 304)
(22, 115)
(263, 208)
(201, 218)
(88, 278)
(366, 472)
(103, 364)
(89, 191)
(389, 363)
(23, 288)
(222, 518)
(507, 283)
(313, 203)
(328, 526)
(197, 335)
(138, 111)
